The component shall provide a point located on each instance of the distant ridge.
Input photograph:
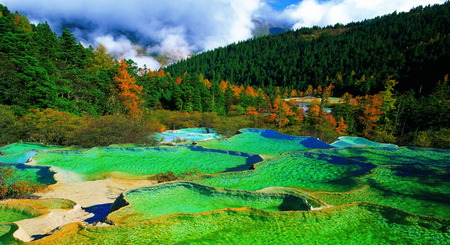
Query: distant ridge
(413, 48)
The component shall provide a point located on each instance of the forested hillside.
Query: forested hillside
(39, 69)
(413, 48)
(55, 91)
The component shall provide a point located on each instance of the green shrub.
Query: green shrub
(164, 177)
(12, 188)
(433, 139)
(114, 129)
(172, 176)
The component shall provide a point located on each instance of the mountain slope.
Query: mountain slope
(412, 47)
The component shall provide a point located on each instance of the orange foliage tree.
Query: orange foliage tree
(223, 86)
(325, 94)
(341, 126)
(250, 91)
(282, 113)
(251, 111)
(323, 124)
(178, 80)
(369, 111)
(309, 91)
(129, 91)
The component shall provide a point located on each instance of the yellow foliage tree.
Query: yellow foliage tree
(102, 60)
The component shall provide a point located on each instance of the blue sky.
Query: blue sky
(179, 28)
(281, 4)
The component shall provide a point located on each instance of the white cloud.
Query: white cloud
(123, 48)
(177, 28)
(308, 13)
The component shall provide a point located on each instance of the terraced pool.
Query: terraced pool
(102, 162)
(185, 197)
(265, 142)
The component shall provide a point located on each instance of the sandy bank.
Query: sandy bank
(85, 194)
(88, 193)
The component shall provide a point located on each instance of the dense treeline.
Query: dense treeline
(55, 91)
(40, 69)
(412, 47)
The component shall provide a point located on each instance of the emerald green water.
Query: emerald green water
(21, 152)
(15, 155)
(6, 234)
(35, 174)
(185, 197)
(353, 224)
(20, 147)
(266, 142)
(297, 169)
(97, 162)
(21, 157)
(412, 179)
(356, 180)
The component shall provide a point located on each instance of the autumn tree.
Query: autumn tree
(368, 112)
(325, 94)
(101, 60)
(314, 113)
(294, 93)
(281, 113)
(251, 111)
(128, 91)
(309, 91)
(48, 126)
(22, 23)
(341, 127)
(345, 111)
(11, 187)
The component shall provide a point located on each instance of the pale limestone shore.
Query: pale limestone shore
(71, 186)
(84, 193)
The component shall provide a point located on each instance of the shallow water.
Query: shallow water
(102, 162)
(36, 174)
(186, 197)
(189, 134)
(16, 155)
(298, 169)
(266, 142)
(346, 141)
